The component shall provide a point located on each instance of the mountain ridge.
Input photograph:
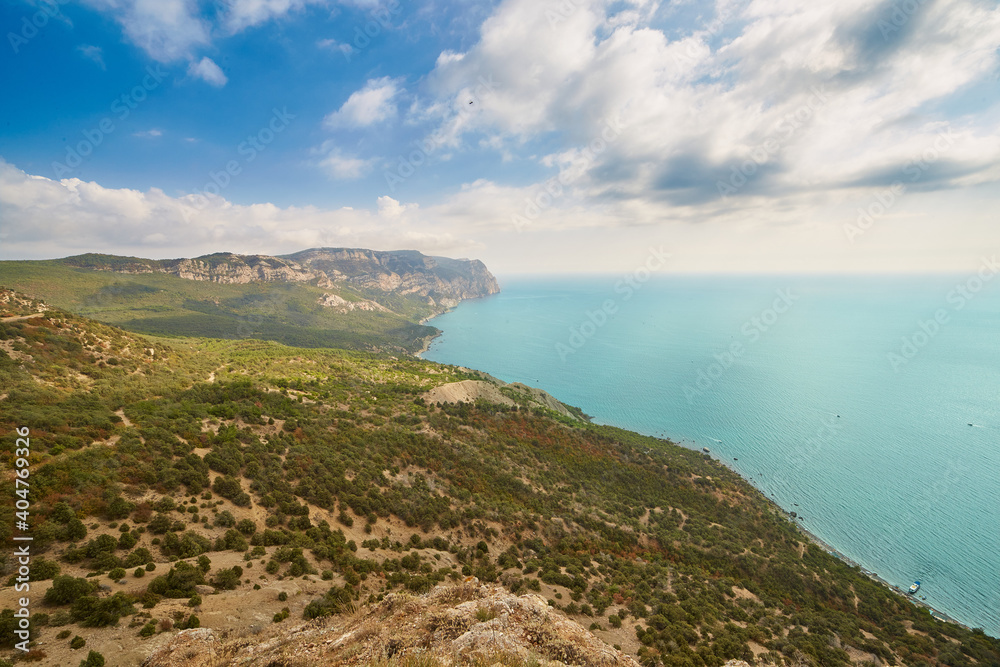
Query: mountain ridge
(402, 271)
(350, 298)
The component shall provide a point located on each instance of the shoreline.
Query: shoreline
(831, 550)
(426, 345)
(807, 534)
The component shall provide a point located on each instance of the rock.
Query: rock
(469, 391)
(464, 624)
(190, 648)
(201, 589)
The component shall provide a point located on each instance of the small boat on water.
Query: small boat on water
(706, 450)
(914, 588)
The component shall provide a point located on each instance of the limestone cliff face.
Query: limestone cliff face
(442, 281)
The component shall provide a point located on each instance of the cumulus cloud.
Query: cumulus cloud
(339, 166)
(764, 101)
(41, 217)
(167, 30)
(172, 30)
(372, 104)
(241, 14)
(206, 70)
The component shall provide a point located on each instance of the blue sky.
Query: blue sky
(752, 135)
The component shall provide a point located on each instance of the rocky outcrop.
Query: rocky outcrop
(13, 304)
(493, 390)
(342, 305)
(464, 624)
(443, 282)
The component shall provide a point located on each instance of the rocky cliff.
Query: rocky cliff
(442, 281)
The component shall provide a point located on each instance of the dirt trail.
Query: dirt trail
(15, 318)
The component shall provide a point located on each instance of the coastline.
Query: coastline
(807, 534)
(428, 339)
(830, 549)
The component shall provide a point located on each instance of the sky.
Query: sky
(564, 136)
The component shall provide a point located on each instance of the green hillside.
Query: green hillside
(164, 304)
(196, 478)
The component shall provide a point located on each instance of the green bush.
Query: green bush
(66, 589)
(97, 612)
(77, 642)
(94, 659)
(117, 573)
(179, 582)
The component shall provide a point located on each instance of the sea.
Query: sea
(868, 405)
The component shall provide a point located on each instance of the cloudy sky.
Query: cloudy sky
(572, 135)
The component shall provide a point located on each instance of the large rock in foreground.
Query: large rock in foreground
(464, 624)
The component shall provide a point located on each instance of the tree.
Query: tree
(66, 589)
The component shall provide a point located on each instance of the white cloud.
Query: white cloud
(391, 209)
(206, 70)
(148, 134)
(40, 217)
(172, 30)
(372, 104)
(340, 166)
(241, 14)
(167, 30)
(334, 45)
(693, 108)
(93, 53)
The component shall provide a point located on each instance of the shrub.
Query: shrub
(179, 582)
(77, 642)
(66, 589)
(194, 601)
(139, 573)
(94, 659)
(148, 630)
(96, 612)
(228, 579)
(117, 573)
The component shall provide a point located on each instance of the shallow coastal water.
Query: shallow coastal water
(846, 400)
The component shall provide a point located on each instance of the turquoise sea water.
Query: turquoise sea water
(898, 482)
